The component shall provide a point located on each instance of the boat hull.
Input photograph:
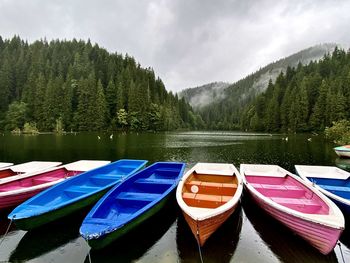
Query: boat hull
(203, 229)
(321, 237)
(105, 240)
(343, 153)
(37, 221)
(15, 199)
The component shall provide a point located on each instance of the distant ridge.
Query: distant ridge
(253, 84)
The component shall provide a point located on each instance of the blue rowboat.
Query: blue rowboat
(72, 194)
(130, 203)
(331, 181)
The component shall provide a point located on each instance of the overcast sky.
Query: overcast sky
(187, 42)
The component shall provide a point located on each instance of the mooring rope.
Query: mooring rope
(341, 252)
(7, 230)
(199, 245)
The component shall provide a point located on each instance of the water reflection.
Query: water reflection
(5, 223)
(137, 242)
(283, 243)
(343, 163)
(220, 247)
(47, 238)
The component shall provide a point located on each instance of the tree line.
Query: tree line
(305, 98)
(74, 85)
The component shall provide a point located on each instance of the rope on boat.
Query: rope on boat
(89, 256)
(199, 245)
(7, 230)
(341, 251)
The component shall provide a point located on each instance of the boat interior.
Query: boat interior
(6, 173)
(43, 178)
(208, 190)
(336, 186)
(290, 193)
(86, 184)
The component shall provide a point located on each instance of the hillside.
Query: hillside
(306, 98)
(74, 85)
(224, 110)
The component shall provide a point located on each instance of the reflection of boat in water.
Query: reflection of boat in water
(47, 238)
(343, 163)
(219, 248)
(286, 246)
(345, 237)
(139, 240)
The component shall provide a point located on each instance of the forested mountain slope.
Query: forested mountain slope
(307, 98)
(80, 86)
(225, 108)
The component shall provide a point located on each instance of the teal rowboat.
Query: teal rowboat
(72, 194)
(130, 203)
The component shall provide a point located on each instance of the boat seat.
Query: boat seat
(205, 200)
(147, 197)
(273, 190)
(298, 203)
(81, 188)
(212, 187)
(155, 181)
(334, 188)
(45, 180)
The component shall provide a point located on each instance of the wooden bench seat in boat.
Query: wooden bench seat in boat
(205, 200)
(147, 197)
(334, 188)
(213, 187)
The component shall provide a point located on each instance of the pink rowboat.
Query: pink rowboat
(19, 189)
(7, 173)
(300, 207)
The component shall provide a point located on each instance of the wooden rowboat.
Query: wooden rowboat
(17, 189)
(72, 194)
(343, 151)
(8, 173)
(208, 194)
(130, 203)
(294, 203)
(330, 180)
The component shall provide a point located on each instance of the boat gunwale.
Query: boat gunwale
(334, 211)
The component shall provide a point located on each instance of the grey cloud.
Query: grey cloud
(187, 42)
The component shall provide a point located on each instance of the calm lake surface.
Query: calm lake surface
(248, 236)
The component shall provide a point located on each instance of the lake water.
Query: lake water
(248, 236)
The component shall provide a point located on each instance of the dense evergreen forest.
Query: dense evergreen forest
(306, 98)
(303, 98)
(221, 105)
(74, 85)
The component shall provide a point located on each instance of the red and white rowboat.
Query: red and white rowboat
(8, 173)
(18, 189)
(294, 203)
